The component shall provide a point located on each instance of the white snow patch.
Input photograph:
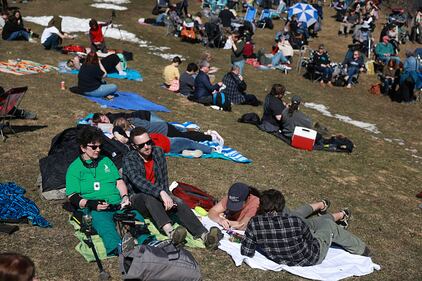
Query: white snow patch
(108, 6)
(72, 24)
(118, 2)
(413, 150)
(360, 124)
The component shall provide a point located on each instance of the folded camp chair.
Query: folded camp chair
(250, 14)
(221, 4)
(9, 103)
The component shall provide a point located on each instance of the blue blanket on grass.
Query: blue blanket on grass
(227, 153)
(129, 101)
(131, 74)
(13, 205)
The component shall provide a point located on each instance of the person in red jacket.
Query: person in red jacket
(96, 36)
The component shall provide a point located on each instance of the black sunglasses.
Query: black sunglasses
(94, 146)
(141, 145)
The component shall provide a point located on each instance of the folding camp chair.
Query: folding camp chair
(250, 14)
(265, 14)
(304, 55)
(9, 103)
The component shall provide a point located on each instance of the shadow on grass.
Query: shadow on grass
(22, 128)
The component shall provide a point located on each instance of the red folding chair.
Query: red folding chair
(9, 103)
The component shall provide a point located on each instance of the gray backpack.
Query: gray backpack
(163, 262)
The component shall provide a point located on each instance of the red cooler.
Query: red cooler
(303, 138)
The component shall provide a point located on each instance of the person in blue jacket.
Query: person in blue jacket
(203, 87)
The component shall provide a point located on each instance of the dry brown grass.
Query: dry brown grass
(378, 181)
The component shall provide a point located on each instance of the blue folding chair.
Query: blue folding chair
(265, 14)
(221, 4)
(250, 14)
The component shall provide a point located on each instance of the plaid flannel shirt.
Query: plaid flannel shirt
(283, 239)
(135, 176)
(234, 88)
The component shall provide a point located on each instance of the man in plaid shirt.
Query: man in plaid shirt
(236, 87)
(145, 172)
(291, 240)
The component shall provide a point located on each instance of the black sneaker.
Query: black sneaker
(213, 237)
(366, 252)
(178, 236)
(29, 115)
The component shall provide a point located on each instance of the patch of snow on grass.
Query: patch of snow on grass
(360, 124)
(108, 6)
(72, 24)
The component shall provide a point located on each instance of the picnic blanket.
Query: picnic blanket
(24, 67)
(131, 74)
(337, 265)
(129, 101)
(227, 153)
(14, 205)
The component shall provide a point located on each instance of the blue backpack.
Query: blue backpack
(220, 100)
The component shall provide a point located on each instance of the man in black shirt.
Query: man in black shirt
(273, 107)
(226, 17)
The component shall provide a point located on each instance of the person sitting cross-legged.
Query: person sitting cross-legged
(145, 172)
(291, 239)
(236, 87)
(203, 87)
(93, 183)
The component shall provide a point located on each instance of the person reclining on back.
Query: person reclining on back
(145, 172)
(292, 239)
(93, 183)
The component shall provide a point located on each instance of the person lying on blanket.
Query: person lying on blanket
(111, 64)
(293, 239)
(160, 127)
(145, 172)
(93, 183)
(178, 145)
(236, 208)
(90, 78)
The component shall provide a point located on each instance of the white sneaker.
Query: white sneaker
(192, 153)
(216, 107)
(32, 40)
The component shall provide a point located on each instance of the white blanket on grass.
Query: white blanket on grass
(337, 265)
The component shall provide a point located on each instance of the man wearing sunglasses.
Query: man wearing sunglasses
(145, 172)
(93, 183)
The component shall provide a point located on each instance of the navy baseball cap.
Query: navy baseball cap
(238, 193)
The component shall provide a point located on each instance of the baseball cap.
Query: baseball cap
(238, 193)
(296, 99)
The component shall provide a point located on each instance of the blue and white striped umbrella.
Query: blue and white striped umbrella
(304, 12)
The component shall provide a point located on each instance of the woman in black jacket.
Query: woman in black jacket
(14, 29)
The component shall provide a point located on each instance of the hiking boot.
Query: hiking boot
(344, 222)
(327, 205)
(212, 238)
(178, 235)
(366, 252)
(192, 153)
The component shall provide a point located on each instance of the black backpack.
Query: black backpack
(250, 118)
(220, 100)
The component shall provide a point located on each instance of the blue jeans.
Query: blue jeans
(52, 42)
(102, 91)
(351, 71)
(241, 65)
(385, 60)
(278, 58)
(17, 35)
(177, 145)
(327, 73)
(155, 118)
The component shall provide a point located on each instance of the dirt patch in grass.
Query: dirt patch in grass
(377, 181)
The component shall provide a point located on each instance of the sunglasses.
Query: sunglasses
(94, 146)
(141, 145)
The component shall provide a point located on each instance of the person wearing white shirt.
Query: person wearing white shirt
(52, 37)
